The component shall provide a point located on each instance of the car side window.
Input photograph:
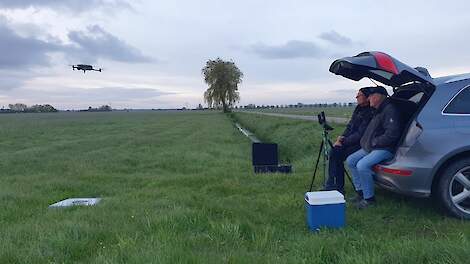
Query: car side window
(460, 104)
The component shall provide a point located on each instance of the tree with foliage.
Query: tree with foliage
(22, 108)
(223, 78)
(47, 108)
(18, 107)
(105, 108)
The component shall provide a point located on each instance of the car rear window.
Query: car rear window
(460, 104)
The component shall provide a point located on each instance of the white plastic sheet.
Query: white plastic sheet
(76, 202)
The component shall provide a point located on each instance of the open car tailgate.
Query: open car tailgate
(380, 67)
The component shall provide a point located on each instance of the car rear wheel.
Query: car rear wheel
(454, 188)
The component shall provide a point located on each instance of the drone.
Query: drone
(84, 68)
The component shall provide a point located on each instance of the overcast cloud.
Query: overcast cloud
(88, 45)
(20, 52)
(82, 98)
(336, 38)
(11, 79)
(284, 49)
(70, 5)
(95, 43)
(291, 50)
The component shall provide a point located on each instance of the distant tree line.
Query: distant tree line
(103, 108)
(298, 105)
(22, 108)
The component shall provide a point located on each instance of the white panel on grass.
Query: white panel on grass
(76, 201)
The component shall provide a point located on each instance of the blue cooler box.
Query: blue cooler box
(324, 209)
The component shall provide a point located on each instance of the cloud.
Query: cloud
(21, 52)
(24, 54)
(295, 49)
(336, 38)
(96, 43)
(64, 97)
(10, 80)
(106, 94)
(290, 50)
(343, 91)
(69, 5)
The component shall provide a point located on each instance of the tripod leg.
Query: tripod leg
(329, 143)
(326, 157)
(345, 171)
(350, 180)
(325, 160)
(316, 165)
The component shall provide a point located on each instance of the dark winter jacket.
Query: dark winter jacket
(357, 125)
(384, 130)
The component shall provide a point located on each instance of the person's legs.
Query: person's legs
(344, 154)
(352, 161)
(364, 170)
(335, 169)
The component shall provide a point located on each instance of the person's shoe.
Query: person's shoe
(356, 199)
(365, 203)
(359, 197)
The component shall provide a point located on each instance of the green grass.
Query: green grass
(179, 188)
(345, 112)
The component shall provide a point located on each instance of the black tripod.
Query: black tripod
(325, 147)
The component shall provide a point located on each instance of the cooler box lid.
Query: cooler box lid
(324, 197)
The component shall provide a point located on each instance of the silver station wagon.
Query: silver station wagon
(433, 157)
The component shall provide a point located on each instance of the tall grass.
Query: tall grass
(336, 111)
(179, 188)
(299, 141)
(400, 230)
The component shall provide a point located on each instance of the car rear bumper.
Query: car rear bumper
(403, 180)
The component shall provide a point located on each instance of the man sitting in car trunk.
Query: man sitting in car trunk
(377, 144)
(348, 142)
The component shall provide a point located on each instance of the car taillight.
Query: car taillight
(398, 172)
(385, 62)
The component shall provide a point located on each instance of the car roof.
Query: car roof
(451, 78)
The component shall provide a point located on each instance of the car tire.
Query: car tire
(453, 190)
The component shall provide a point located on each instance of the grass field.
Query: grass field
(179, 188)
(313, 111)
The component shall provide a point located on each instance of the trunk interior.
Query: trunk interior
(410, 99)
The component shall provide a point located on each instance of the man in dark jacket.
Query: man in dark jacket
(348, 143)
(378, 143)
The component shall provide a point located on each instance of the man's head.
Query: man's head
(362, 96)
(377, 96)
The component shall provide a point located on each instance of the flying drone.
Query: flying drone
(84, 68)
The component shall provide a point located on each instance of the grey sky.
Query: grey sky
(70, 5)
(157, 48)
(20, 52)
(291, 50)
(95, 43)
(336, 38)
